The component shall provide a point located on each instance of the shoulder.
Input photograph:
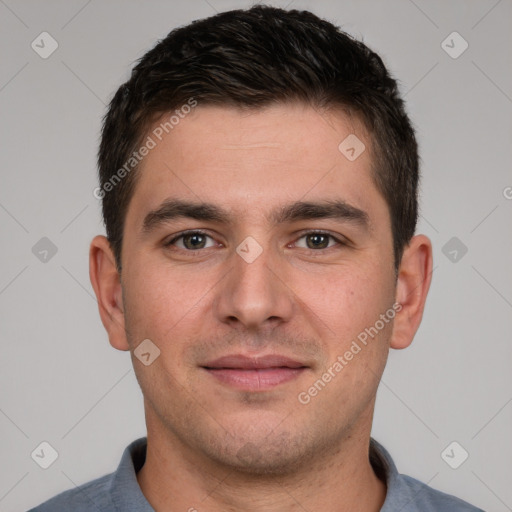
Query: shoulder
(408, 494)
(417, 496)
(113, 492)
(93, 495)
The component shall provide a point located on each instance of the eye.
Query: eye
(315, 240)
(196, 240)
(190, 241)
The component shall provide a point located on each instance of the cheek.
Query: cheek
(349, 304)
(345, 299)
(160, 301)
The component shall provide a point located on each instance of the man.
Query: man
(259, 179)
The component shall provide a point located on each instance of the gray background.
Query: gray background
(63, 383)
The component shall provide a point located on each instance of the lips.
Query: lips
(254, 373)
(241, 362)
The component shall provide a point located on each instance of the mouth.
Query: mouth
(254, 373)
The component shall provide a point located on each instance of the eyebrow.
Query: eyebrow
(172, 209)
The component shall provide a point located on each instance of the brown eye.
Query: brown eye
(318, 240)
(191, 241)
(194, 241)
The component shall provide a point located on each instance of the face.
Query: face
(258, 301)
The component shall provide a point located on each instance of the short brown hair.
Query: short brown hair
(252, 59)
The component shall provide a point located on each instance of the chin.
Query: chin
(282, 455)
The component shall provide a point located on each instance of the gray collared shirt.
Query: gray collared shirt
(120, 491)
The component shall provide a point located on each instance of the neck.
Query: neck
(175, 478)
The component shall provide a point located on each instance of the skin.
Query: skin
(211, 446)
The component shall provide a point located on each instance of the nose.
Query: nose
(253, 295)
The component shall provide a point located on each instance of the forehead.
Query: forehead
(250, 160)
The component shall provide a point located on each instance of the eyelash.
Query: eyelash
(304, 234)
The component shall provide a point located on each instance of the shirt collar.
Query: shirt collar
(127, 494)
(125, 490)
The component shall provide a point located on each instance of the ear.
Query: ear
(414, 276)
(106, 282)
